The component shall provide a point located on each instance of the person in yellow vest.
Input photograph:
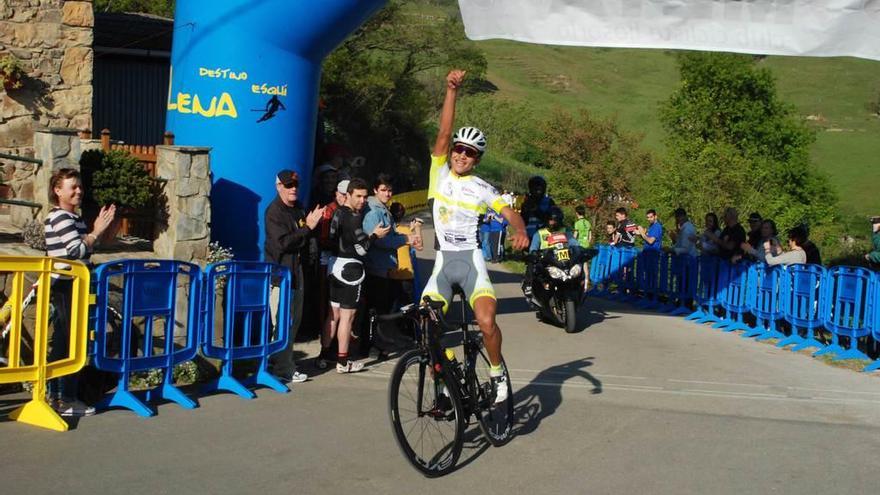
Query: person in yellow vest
(550, 237)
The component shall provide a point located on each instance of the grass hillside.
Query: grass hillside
(831, 93)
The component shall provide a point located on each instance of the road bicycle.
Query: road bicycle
(432, 395)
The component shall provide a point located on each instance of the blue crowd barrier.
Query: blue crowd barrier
(682, 283)
(766, 300)
(733, 293)
(247, 331)
(875, 323)
(709, 284)
(848, 310)
(802, 304)
(623, 273)
(648, 277)
(153, 293)
(845, 301)
(600, 271)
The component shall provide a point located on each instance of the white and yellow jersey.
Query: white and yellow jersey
(459, 203)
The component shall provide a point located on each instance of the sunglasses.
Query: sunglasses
(290, 185)
(466, 150)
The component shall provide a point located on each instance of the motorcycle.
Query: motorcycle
(557, 286)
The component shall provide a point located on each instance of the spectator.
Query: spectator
(653, 235)
(874, 256)
(626, 229)
(288, 230)
(405, 270)
(768, 238)
(68, 238)
(381, 257)
(813, 255)
(731, 238)
(755, 236)
(796, 239)
(496, 227)
(509, 198)
(685, 238)
(583, 229)
(711, 230)
(351, 245)
(326, 247)
(611, 233)
(485, 247)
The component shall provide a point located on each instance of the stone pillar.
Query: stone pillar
(186, 231)
(57, 148)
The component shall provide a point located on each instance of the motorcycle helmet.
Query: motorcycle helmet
(537, 186)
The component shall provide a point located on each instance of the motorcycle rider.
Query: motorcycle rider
(549, 237)
(537, 205)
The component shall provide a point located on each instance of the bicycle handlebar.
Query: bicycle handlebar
(428, 308)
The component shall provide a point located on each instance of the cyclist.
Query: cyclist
(537, 205)
(459, 200)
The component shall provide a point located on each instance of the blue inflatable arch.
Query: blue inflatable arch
(244, 81)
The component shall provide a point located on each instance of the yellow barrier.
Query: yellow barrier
(413, 201)
(38, 412)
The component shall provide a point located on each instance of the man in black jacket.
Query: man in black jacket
(287, 234)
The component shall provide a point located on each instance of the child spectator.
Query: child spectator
(626, 229)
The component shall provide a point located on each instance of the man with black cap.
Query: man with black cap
(874, 256)
(287, 235)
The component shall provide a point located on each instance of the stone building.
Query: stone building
(53, 40)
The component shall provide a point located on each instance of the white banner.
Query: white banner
(772, 27)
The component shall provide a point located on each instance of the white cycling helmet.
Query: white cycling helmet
(472, 137)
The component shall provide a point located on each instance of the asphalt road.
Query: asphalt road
(635, 403)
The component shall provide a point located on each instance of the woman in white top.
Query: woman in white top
(796, 238)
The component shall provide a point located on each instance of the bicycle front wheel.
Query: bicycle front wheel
(495, 418)
(427, 416)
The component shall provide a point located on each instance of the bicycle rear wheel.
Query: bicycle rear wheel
(427, 418)
(496, 420)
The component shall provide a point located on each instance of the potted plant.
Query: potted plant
(11, 72)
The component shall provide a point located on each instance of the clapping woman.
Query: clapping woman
(68, 238)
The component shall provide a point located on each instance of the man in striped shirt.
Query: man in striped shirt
(68, 238)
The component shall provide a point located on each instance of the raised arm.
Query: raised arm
(447, 115)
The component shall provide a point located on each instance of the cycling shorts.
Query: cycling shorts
(344, 295)
(465, 269)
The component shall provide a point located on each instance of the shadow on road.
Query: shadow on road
(541, 398)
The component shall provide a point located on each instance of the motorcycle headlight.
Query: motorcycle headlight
(575, 271)
(555, 272)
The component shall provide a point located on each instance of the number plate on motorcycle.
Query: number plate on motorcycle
(562, 255)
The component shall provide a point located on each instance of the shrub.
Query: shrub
(116, 177)
(12, 72)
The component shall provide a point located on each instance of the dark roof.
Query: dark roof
(132, 30)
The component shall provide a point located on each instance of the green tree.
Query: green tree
(381, 86)
(592, 157)
(734, 142)
(164, 8)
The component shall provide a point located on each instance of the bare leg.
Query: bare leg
(346, 318)
(484, 310)
(330, 326)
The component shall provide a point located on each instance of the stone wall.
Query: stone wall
(53, 40)
(187, 231)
